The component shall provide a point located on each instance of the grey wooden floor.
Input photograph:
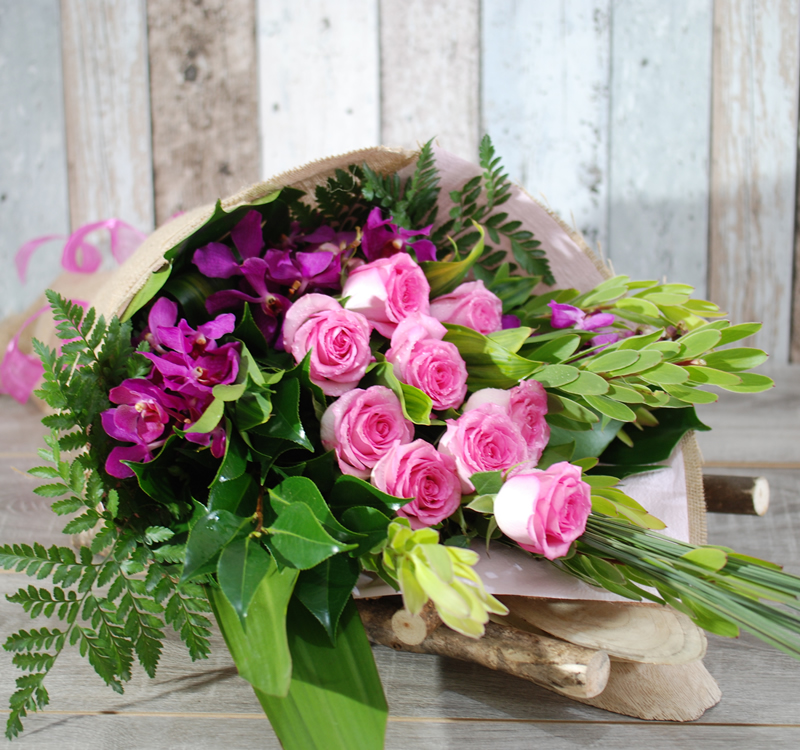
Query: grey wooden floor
(434, 702)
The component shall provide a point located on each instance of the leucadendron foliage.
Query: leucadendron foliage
(240, 510)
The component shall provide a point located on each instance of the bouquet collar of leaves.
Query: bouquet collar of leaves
(250, 438)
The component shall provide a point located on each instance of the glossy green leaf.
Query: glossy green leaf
(655, 444)
(208, 537)
(587, 383)
(555, 453)
(647, 360)
(736, 359)
(487, 482)
(612, 361)
(482, 504)
(639, 306)
(254, 408)
(751, 383)
(663, 374)
(300, 538)
(511, 339)
(326, 588)
(738, 332)
(232, 494)
(707, 557)
(371, 523)
(260, 649)
(610, 408)
(335, 701)
(302, 490)
(557, 376)
(152, 286)
(556, 350)
(587, 443)
(210, 418)
(416, 404)
(349, 491)
(444, 276)
(641, 341)
(696, 344)
(248, 332)
(573, 410)
(691, 395)
(710, 376)
(242, 566)
(623, 393)
(285, 424)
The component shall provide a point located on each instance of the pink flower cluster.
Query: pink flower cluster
(373, 440)
(187, 364)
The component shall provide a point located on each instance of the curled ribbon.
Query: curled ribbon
(20, 372)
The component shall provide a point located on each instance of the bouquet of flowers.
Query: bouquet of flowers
(337, 382)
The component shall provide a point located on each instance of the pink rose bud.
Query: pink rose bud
(471, 305)
(361, 426)
(526, 404)
(418, 470)
(387, 291)
(544, 511)
(420, 358)
(338, 340)
(484, 439)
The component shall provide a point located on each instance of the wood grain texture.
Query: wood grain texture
(318, 80)
(107, 107)
(33, 156)
(203, 88)
(545, 99)
(753, 165)
(430, 70)
(659, 139)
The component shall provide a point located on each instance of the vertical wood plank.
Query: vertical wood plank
(659, 144)
(203, 87)
(545, 102)
(318, 79)
(430, 71)
(107, 111)
(753, 168)
(33, 157)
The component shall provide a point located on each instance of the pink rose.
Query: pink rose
(471, 305)
(387, 291)
(361, 426)
(338, 340)
(483, 439)
(418, 470)
(544, 511)
(526, 404)
(420, 358)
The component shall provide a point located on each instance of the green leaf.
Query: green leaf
(416, 404)
(482, 504)
(349, 491)
(240, 570)
(557, 376)
(587, 383)
(553, 454)
(326, 589)
(663, 374)
(511, 338)
(210, 418)
(708, 375)
(624, 394)
(707, 557)
(487, 482)
(734, 360)
(639, 306)
(444, 277)
(751, 383)
(300, 538)
(254, 408)
(261, 650)
(691, 395)
(151, 287)
(556, 350)
(208, 537)
(610, 408)
(655, 444)
(230, 495)
(303, 490)
(738, 332)
(572, 409)
(285, 421)
(697, 343)
(588, 443)
(612, 361)
(370, 522)
(335, 701)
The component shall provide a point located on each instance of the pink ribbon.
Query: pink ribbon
(20, 372)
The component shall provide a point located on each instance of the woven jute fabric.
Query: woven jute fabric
(571, 259)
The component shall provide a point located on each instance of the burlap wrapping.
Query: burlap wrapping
(572, 261)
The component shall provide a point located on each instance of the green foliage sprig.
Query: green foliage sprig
(111, 613)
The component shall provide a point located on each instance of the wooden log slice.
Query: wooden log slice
(659, 692)
(633, 632)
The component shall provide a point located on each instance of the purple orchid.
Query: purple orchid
(568, 316)
(382, 239)
(141, 418)
(217, 260)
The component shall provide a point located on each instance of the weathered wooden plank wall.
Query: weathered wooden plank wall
(666, 132)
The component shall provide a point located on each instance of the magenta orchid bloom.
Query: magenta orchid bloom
(568, 316)
(383, 239)
(141, 418)
(217, 261)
